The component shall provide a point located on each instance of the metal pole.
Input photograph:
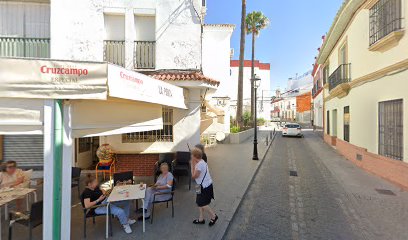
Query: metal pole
(255, 155)
(58, 144)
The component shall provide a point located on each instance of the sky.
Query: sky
(290, 42)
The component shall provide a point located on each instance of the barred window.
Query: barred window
(84, 145)
(385, 18)
(164, 135)
(391, 129)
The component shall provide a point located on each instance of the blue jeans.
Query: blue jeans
(122, 213)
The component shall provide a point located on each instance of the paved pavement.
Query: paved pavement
(232, 169)
(330, 198)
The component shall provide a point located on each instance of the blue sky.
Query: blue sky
(290, 42)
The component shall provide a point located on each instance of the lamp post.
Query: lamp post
(256, 81)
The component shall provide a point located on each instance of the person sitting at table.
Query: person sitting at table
(12, 176)
(163, 184)
(93, 195)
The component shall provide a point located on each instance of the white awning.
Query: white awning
(101, 118)
(21, 116)
(56, 79)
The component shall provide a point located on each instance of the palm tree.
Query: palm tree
(255, 22)
(241, 66)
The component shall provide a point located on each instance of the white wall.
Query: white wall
(318, 105)
(265, 86)
(216, 64)
(186, 129)
(178, 30)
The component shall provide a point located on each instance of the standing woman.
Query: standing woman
(204, 188)
(202, 148)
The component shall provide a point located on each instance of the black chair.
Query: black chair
(123, 177)
(173, 188)
(163, 157)
(181, 166)
(76, 179)
(30, 219)
(90, 213)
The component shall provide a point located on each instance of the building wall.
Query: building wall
(186, 130)
(216, 64)
(318, 114)
(363, 102)
(262, 70)
(363, 98)
(177, 30)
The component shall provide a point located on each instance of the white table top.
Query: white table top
(127, 192)
(9, 194)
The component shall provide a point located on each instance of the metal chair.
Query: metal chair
(173, 188)
(30, 219)
(181, 166)
(90, 213)
(76, 177)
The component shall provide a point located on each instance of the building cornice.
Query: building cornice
(344, 16)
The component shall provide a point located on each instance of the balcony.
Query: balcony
(144, 55)
(339, 76)
(114, 52)
(24, 47)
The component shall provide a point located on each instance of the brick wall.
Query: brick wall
(140, 164)
(389, 169)
(304, 102)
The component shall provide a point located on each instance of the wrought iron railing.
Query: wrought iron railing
(385, 18)
(24, 47)
(341, 75)
(114, 52)
(145, 55)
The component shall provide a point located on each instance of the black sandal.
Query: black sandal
(213, 221)
(197, 221)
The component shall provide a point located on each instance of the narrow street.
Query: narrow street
(330, 198)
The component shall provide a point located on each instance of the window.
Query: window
(328, 123)
(346, 125)
(325, 74)
(390, 119)
(114, 44)
(84, 145)
(164, 135)
(385, 18)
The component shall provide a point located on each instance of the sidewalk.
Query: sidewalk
(232, 169)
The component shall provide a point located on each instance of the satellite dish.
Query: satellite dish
(220, 136)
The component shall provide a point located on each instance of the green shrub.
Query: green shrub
(247, 118)
(261, 121)
(235, 129)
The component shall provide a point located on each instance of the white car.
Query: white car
(292, 129)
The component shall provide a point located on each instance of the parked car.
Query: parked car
(292, 129)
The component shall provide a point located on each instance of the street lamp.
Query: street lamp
(256, 82)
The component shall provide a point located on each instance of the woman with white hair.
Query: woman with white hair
(163, 184)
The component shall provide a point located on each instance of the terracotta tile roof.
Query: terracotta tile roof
(182, 75)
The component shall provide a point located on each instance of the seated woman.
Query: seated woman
(12, 176)
(163, 184)
(93, 196)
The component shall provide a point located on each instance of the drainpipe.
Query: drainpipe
(57, 185)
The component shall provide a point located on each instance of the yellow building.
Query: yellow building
(365, 58)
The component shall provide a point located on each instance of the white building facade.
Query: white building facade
(262, 70)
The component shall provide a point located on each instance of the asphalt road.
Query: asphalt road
(324, 201)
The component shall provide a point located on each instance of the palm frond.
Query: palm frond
(255, 22)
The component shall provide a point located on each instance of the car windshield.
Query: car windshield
(292, 126)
